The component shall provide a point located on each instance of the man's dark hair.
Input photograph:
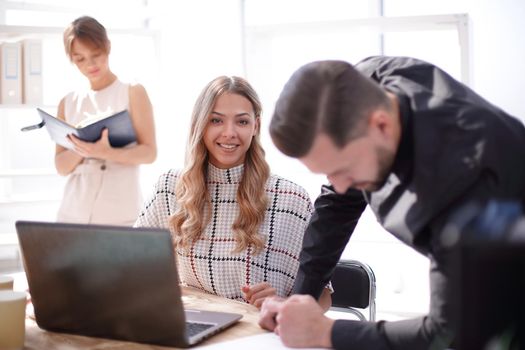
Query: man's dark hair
(329, 97)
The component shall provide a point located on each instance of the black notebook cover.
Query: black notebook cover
(121, 131)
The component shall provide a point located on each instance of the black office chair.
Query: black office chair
(354, 286)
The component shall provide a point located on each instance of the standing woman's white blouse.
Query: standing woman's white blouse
(210, 263)
(100, 191)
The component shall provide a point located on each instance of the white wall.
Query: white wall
(200, 40)
(499, 53)
(497, 44)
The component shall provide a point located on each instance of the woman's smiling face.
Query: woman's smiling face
(231, 127)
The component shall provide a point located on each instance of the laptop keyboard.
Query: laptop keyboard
(193, 328)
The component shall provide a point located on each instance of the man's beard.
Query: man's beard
(385, 160)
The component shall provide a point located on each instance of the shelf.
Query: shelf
(27, 199)
(17, 32)
(8, 173)
(8, 239)
(22, 32)
(387, 24)
(25, 106)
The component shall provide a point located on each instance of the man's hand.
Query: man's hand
(256, 294)
(298, 320)
(269, 310)
(100, 149)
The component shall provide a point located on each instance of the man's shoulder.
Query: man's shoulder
(410, 76)
(390, 63)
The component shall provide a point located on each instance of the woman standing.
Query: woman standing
(103, 181)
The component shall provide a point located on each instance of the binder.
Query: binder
(11, 73)
(119, 125)
(32, 71)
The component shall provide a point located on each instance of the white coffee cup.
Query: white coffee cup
(6, 282)
(12, 319)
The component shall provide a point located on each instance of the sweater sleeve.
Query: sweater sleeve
(158, 207)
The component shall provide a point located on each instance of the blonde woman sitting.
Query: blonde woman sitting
(237, 229)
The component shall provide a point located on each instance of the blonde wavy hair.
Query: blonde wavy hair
(194, 208)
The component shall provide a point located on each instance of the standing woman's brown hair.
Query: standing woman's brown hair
(89, 31)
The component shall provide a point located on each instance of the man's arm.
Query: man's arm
(434, 331)
(333, 222)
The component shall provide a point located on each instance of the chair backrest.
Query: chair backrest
(354, 286)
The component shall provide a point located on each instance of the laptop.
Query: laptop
(110, 282)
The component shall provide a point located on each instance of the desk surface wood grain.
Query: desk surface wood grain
(37, 339)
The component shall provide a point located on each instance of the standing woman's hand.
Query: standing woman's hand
(100, 149)
(66, 160)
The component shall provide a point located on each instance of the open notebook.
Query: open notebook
(119, 125)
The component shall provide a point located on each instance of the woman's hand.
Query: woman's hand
(256, 294)
(100, 149)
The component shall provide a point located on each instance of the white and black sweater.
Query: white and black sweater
(210, 264)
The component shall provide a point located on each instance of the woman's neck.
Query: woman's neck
(103, 82)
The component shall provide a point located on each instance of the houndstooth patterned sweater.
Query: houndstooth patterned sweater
(210, 263)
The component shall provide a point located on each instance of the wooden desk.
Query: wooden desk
(37, 339)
